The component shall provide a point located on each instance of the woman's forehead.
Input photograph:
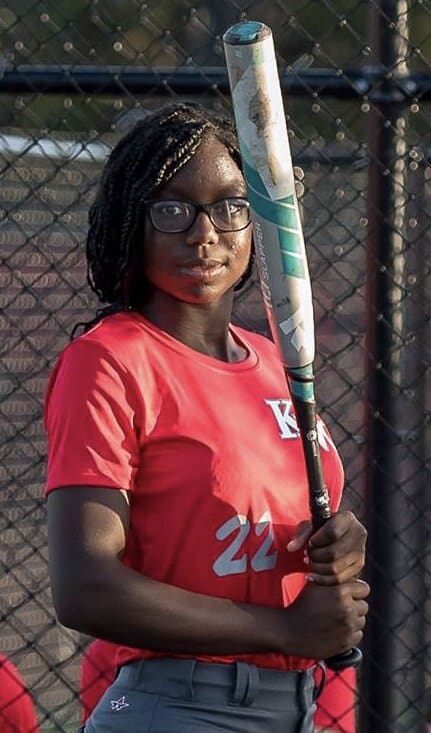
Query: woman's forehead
(212, 164)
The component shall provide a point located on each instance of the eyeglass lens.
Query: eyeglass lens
(175, 216)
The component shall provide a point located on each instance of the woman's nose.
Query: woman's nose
(202, 230)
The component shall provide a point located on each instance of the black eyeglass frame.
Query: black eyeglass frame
(198, 208)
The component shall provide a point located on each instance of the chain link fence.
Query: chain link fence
(74, 77)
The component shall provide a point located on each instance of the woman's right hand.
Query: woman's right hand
(326, 620)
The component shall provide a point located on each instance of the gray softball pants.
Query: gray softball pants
(183, 696)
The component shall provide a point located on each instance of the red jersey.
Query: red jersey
(17, 713)
(208, 450)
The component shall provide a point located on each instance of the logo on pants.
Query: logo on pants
(117, 705)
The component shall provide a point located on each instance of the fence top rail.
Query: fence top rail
(378, 84)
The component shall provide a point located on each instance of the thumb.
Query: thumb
(302, 535)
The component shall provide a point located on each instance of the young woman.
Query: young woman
(177, 498)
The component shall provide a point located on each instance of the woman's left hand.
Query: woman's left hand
(336, 551)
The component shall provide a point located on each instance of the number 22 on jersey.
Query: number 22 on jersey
(235, 559)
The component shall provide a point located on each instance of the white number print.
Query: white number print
(265, 557)
(225, 563)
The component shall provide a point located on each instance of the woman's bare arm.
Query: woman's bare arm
(98, 595)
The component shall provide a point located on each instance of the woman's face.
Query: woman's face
(202, 264)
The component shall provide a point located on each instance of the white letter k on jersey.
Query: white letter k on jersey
(287, 424)
(285, 420)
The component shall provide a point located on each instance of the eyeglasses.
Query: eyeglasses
(171, 217)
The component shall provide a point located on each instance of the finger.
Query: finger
(332, 531)
(333, 552)
(351, 542)
(363, 609)
(352, 561)
(303, 533)
(334, 578)
(360, 589)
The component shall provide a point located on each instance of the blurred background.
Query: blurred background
(356, 74)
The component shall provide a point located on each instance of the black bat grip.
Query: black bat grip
(319, 499)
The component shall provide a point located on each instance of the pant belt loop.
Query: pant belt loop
(307, 707)
(191, 689)
(321, 666)
(246, 684)
(241, 676)
(252, 685)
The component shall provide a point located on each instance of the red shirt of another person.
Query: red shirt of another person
(98, 671)
(336, 705)
(17, 713)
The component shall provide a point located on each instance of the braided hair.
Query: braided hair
(150, 155)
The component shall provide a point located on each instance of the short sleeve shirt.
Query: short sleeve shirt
(209, 451)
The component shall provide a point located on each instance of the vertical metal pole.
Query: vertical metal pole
(393, 671)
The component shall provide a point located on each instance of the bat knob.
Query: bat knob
(248, 31)
(351, 658)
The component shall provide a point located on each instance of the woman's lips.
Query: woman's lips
(205, 270)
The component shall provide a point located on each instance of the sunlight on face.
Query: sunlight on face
(203, 264)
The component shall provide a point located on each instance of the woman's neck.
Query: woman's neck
(204, 328)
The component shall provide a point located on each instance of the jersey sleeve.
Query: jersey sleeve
(92, 419)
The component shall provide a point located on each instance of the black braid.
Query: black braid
(147, 157)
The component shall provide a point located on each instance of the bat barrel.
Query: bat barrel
(268, 172)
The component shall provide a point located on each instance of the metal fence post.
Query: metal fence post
(393, 673)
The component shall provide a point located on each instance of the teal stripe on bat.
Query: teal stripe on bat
(302, 382)
(283, 214)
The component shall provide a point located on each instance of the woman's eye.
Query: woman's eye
(235, 208)
(226, 207)
(171, 210)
